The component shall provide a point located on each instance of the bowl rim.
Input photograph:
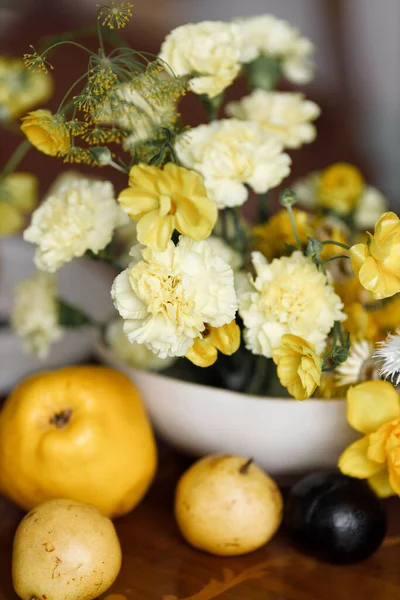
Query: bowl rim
(103, 350)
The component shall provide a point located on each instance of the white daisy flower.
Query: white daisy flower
(350, 372)
(389, 353)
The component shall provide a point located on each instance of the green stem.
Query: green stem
(70, 43)
(240, 237)
(70, 90)
(117, 167)
(263, 207)
(335, 257)
(99, 34)
(293, 223)
(258, 379)
(15, 158)
(336, 244)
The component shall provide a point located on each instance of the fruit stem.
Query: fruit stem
(60, 420)
(244, 468)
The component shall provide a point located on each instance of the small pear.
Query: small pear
(226, 505)
(64, 550)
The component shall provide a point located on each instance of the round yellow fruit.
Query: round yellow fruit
(81, 433)
(65, 550)
(226, 505)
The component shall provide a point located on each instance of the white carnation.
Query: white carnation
(34, 315)
(80, 216)
(278, 39)
(134, 355)
(370, 207)
(231, 153)
(225, 251)
(166, 298)
(307, 190)
(211, 52)
(288, 295)
(287, 115)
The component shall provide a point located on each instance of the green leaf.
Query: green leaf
(70, 316)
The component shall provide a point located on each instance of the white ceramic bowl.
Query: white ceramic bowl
(84, 283)
(286, 437)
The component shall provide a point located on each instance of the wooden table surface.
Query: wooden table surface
(159, 565)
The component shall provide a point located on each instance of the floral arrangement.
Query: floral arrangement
(300, 301)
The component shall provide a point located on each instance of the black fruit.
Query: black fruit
(335, 517)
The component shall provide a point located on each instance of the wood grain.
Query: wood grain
(159, 565)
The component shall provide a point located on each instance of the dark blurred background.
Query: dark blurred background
(357, 82)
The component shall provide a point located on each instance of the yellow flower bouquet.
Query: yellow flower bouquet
(294, 303)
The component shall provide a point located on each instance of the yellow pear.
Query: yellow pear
(226, 505)
(80, 432)
(64, 550)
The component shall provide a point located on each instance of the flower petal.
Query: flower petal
(358, 254)
(355, 462)
(372, 404)
(380, 483)
(155, 231)
(202, 353)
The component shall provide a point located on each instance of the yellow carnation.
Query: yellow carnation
(162, 200)
(225, 339)
(377, 263)
(340, 188)
(18, 196)
(46, 132)
(373, 408)
(271, 237)
(20, 89)
(299, 367)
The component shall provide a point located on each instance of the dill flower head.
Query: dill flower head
(21, 90)
(81, 215)
(288, 295)
(117, 15)
(210, 52)
(388, 353)
(18, 196)
(167, 298)
(288, 115)
(47, 132)
(278, 39)
(230, 154)
(35, 313)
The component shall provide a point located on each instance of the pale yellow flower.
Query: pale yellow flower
(35, 313)
(231, 153)
(340, 188)
(288, 295)
(299, 367)
(81, 215)
(373, 408)
(162, 200)
(370, 207)
(276, 38)
(271, 237)
(20, 89)
(377, 263)
(287, 115)
(132, 354)
(18, 196)
(225, 339)
(210, 52)
(167, 298)
(47, 132)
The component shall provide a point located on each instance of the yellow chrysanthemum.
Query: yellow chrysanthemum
(271, 237)
(162, 200)
(377, 263)
(340, 188)
(225, 339)
(373, 408)
(21, 90)
(18, 196)
(299, 367)
(47, 132)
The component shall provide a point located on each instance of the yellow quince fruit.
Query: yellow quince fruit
(80, 433)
